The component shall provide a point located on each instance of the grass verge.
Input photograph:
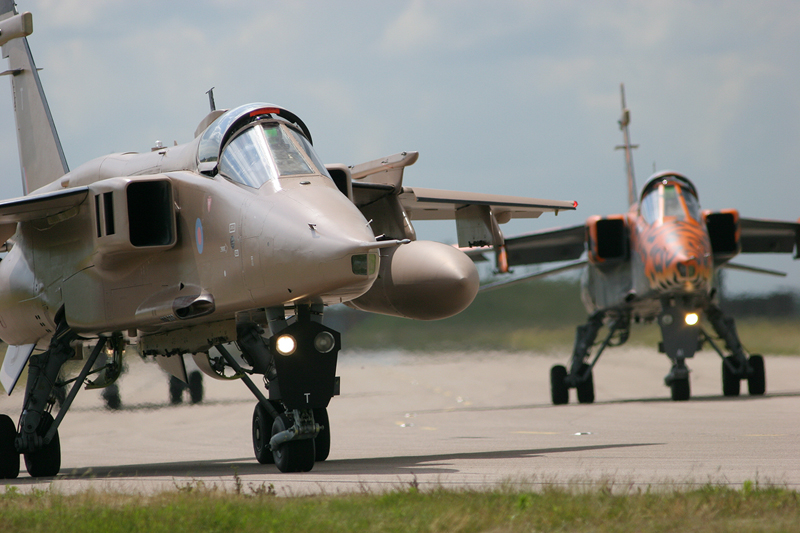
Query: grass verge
(769, 337)
(600, 508)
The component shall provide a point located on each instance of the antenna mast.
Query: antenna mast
(211, 102)
(624, 120)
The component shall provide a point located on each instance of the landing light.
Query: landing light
(285, 345)
(324, 342)
(692, 318)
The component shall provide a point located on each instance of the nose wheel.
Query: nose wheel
(262, 432)
(46, 461)
(322, 442)
(678, 382)
(294, 455)
(680, 390)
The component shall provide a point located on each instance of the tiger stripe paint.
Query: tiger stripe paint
(676, 255)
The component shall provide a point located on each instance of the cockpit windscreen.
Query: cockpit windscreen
(669, 200)
(266, 152)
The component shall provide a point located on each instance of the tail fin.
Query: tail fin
(624, 120)
(40, 153)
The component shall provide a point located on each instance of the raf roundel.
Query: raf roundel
(198, 233)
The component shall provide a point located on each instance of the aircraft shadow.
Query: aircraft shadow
(380, 466)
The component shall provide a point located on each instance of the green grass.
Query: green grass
(772, 337)
(539, 316)
(600, 508)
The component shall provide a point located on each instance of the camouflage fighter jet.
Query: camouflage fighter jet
(655, 263)
(239, 232)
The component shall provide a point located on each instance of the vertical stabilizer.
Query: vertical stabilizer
(624, 120)
(41, 156)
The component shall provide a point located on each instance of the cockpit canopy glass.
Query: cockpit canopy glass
(267, 151)
(669, 199)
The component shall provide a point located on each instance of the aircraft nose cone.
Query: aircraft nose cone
(678, 257)
(437, 280)
(693, 272)
(686, 268)
(423, 280)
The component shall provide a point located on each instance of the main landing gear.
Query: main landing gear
(37, 439)
(291, 428)
(580, 376)
(737, 366)
(681, 338)
(195, 386)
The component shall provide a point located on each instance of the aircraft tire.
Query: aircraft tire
(45, 462)
(757, 381)
(9, 457)
(262, 431)
(196, 386)
(295, 455)
(681, 390)
(112, 398)
(586, 388)
(176, 387)
(559, 392)
(730, 380)
(322, 443)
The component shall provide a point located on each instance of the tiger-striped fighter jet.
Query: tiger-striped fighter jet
(655, 263)
(185, 249)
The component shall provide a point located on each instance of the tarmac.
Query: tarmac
(456, 420)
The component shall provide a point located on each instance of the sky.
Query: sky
(509, 96)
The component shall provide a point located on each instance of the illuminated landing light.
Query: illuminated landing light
(692, 318)
(286, 345)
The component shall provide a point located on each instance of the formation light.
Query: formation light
(691, 319)
(324, 342)
(286, 345)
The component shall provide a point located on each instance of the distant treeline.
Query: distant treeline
(775, 305)
(541, 314)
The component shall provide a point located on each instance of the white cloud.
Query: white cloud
(414, 30)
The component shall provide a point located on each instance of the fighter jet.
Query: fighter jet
(241, 235)
(655, 263)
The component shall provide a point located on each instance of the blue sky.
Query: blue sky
(509, 97)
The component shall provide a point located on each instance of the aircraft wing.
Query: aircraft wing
(435, 204)
(44, 206)
(378, 191)
(41, 205)
(561, 244)
(769, 236)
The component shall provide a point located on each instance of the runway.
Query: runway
(455, 420)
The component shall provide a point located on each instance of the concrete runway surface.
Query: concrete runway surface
(454, 420)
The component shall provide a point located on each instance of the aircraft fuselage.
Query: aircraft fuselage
(233, 247)
(668, 256)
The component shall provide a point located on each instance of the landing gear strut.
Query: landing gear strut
(738, 365)
(38, 438)
(290, 428)
(580, 374)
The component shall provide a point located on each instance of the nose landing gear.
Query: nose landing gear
(291, 428)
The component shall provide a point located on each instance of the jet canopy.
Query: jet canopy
(669, 195)
(255, 143)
